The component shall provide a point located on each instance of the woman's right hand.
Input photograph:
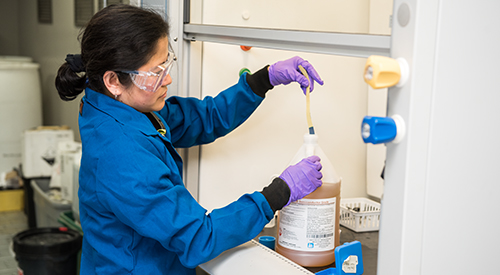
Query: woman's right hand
(303, 178)
(287, 71)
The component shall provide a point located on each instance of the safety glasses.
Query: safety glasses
(152, 80)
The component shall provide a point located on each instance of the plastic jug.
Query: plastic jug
(308, 229)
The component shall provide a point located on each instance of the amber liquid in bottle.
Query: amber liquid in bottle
(316, 258)
(308, 230)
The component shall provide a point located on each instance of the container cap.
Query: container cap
(47, 241)
(268, 241)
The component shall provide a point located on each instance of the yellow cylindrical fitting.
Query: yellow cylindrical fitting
(382, 72)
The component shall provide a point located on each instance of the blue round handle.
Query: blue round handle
(378, 129)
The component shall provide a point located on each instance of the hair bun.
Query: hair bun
(75, 62)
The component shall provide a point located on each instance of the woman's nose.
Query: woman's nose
(167, 80)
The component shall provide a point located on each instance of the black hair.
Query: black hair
(118, 37)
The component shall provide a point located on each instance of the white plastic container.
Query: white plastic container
(20, 108)
(68, 152)
(308, 229)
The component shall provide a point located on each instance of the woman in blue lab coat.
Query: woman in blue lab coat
(136, 214)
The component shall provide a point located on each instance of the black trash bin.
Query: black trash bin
(47, 251)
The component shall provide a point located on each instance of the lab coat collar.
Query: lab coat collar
(121, 112)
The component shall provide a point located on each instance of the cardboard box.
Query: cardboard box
(39, 149)
(11, 200)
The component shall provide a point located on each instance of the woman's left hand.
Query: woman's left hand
(287, 71)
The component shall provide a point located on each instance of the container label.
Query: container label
(350, 264)
(308, 225)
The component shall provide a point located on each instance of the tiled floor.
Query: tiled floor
(11, 223)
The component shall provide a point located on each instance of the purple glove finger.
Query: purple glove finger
(315, 162)
(303, 177)
(313, 159)
(312, 74)
(287, 71)
(315, 172)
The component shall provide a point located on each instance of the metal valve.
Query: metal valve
(382, 129)
(383, 72)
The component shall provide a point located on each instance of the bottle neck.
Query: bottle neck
(310, 143)
(310, 139)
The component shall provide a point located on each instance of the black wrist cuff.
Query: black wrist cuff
(277, 194)
(259, 82)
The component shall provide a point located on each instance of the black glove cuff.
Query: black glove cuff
(277, 194)
(259, 82)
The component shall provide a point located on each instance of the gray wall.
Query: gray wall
(9, 27)
(47, 44)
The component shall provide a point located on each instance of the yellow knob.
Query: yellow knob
(383, 72)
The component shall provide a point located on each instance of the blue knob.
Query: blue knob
(378, 129)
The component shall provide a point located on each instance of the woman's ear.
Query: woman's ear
(112, 83)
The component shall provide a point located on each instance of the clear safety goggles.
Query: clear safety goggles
(152, 80)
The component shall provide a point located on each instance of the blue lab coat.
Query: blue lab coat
(137, 216)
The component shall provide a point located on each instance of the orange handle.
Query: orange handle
(245, 48)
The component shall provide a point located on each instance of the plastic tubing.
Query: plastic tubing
(308, 101)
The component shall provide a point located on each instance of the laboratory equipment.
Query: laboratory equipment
(384, 72)
(382, 129)
(243, 70)
(245, 48)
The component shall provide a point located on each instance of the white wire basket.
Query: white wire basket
(360, 214)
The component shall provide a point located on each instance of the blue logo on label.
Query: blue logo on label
(310, 245)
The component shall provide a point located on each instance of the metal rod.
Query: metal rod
(354, 45)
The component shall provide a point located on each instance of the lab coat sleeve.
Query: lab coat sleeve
(193, 121)
(142, 196)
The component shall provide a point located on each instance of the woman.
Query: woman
(136, 214)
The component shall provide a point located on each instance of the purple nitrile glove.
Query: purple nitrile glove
(303, 177)
(284, 72)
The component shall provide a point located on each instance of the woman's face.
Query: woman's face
(145, 101)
